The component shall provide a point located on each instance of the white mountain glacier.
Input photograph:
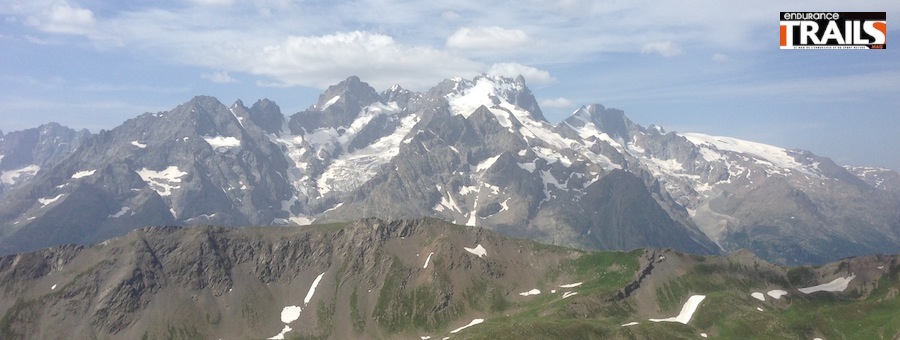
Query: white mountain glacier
(471, 151)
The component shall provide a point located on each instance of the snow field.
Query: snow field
(121, 213)
(478, 251)
(759, 296)
(330, 102)
(292, 313)
(11, 177)
(531, 292)
(771, 156)
(162, 181)
(473, 323)
(837, 285)
(352, 169)
(82, 174)
(280, 336)
(777, 293)
(687, 311)
(46, 201)
(218, 142)
(427, 260)
(312, 289)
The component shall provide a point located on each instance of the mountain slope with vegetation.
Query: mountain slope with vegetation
(425, 278)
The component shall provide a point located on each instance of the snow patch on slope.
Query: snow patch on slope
(486, 164)
(350, 170)
(121, 213)
(759, 296)
(427, 260)
(280, 336)
(312, 289)
(777, 293)
(687, 311)
(163, 181)
(473, 323)
(46, 201)
(531, 292)
(479, 250)
(330, 102)
(12, 177)
(836, 285)
(220, 143)
(290, 313)
(82, 174)
(771, 156)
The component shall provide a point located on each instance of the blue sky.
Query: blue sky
(692, 66)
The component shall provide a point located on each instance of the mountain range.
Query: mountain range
(427, 279)
(477, 152)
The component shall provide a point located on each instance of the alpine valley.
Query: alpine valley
(474, 152)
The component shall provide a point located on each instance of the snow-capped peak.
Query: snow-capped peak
(500, 94)
(772, 155)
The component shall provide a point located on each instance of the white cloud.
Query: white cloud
(663, 48)
(62, 18)
(220, 77)
(719, 57)
(320, 61)
(532, 75)
(557, 103)
(492, 38)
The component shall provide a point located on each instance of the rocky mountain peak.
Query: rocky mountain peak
(205, 103)
(39, 146)
(267, 115)
(337, 107)
(397, 94)
(350, 94)
(611, 121)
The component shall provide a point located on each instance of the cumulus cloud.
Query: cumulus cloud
(532, 75)
(320, 61)
(63, 18)
(557, 103)
(493, 38)
(220, 77)
(663, 48)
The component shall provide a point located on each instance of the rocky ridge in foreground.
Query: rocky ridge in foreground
(426, 278)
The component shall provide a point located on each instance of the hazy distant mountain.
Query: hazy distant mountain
(24, 153)
(470, 151)
(427, 279)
